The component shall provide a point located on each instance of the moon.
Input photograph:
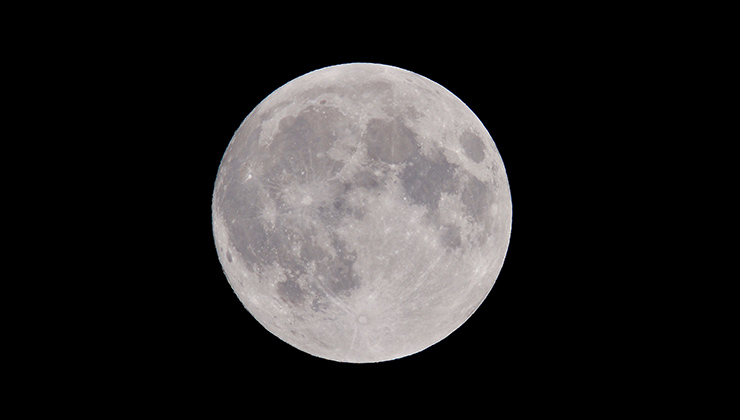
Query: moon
(361, 213)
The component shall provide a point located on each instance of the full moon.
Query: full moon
(361, 213)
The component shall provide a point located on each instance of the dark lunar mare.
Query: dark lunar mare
(473, 146)
(297, 153)
(425, 179)
(389, 140)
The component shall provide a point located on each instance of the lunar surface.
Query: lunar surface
(361, 213)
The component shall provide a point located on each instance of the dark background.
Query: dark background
(180, 98)
(127, 110)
